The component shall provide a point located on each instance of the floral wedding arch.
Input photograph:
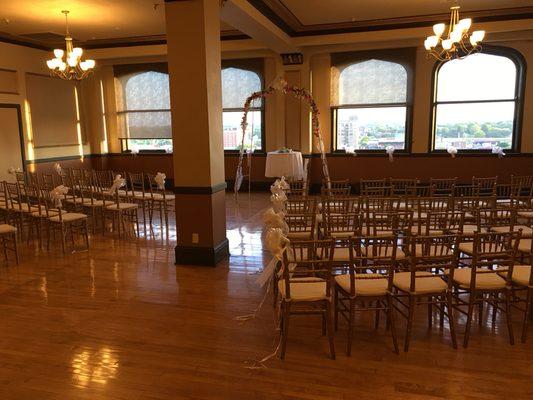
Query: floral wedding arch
(280, 85)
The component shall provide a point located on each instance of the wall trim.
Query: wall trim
(200, 189)
(202, 255)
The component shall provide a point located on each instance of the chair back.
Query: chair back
(311, 262)
(299, 205)
(341, 226)
(443, 186)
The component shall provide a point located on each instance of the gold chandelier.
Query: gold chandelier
(459, 43)
(68, 64)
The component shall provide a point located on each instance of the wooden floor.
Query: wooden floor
(122, 322)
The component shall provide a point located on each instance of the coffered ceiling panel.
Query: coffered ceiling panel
(316, 12)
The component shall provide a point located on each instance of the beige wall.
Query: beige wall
(286, 120)
(25, 60)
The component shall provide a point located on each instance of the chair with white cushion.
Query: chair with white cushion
(484, 280)
(305, 288)
(8, 238)
(368, 284)
(432, 262)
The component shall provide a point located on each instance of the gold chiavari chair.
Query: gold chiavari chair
(305, 289)
(297, 188)
(520, 278)
(141, 196)
(161, 200)
(485, 279)
(122, 211)
(341, 227)
(443, 186)
(19, 207)
(300, 205)
(441, 223)
(67, 223)
(502, 219)
(372, 183)
(48, 182)
(341, 204)
(301, 226)
(8, 238)
(432, 262)
(484, 186)
(402, 187)
(336, 188)
(93, 204)
(368, 284)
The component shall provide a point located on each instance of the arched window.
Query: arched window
(143, 108)
(370, 105)
(477, 102)
(237, 85)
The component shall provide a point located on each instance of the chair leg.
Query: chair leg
(526, 314)
(480, 314)
(331, 333)
(471, 300)
(410, 318)
(285, 312)
(63, 239)
(391, 323)
(351, 318)
(451, 319)
(336, 309)
(508, 316)
(376, 319)
(430, 312)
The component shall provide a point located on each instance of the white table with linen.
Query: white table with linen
(287, 164)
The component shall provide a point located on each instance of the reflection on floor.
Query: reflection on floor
(122, 322)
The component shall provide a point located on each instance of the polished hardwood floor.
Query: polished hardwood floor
(122, 322)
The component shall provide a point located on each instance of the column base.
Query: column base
(206, 256)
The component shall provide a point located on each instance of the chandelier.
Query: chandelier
(459, 43)
(68, 64)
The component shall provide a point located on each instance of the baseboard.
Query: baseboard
(206, 256)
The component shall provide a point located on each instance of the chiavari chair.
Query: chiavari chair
(297, 188)
(341, 204)
(402, 187)
(19, 207)
(442, 223)
(163, 201)
(484, 280)
(432, 262)
(336, 188)
(341, 227)
(502, 219)
(47, 182)
(93, 205)
(301, 226)
(140, 195)
(8, 238)
(305, 289)
(484, 186)
(368, 284)
(443, 186)
(520, 279)
(372, 183)
(67, 223)
(122, 211)
(522, 185)
(299, 205)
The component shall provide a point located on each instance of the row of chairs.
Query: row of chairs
(38, 205)
(487, 186)
(394, 244)
(378, 276)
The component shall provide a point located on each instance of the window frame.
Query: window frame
(518, 59)
(406, 57)
(120, 70)
(255, 65)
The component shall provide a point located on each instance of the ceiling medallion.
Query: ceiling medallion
(459, 43)
(68, 64)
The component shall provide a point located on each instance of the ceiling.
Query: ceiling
(105, 23)
(311, 17)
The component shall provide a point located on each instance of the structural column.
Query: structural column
(193, 41)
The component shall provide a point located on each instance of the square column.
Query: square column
(193, 41)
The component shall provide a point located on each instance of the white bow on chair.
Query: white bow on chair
(57, 194)
(160, 180)
(57, 168)
(274, 219)
(118, 182)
